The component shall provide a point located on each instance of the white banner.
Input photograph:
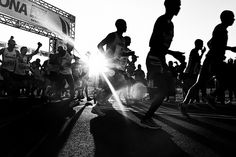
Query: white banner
(37, 15)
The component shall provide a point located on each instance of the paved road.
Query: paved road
(55, 130)
(207, 133)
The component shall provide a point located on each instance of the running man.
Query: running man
(157, 69)
(9, 59)
(114, 44)
(213, 63)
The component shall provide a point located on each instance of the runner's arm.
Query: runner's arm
(105, 41)
(36, 51)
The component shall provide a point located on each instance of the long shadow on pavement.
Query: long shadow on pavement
(116, 136)
(57, 139)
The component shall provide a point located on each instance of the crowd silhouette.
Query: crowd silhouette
(67, 75)
(213, 65)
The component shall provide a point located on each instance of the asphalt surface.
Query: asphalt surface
(30, 128)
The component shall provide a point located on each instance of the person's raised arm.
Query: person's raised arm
(36, 51)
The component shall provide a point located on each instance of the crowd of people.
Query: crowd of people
(18, 74)
(196, 76)
(64, 72)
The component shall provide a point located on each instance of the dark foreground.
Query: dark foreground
(30, 128)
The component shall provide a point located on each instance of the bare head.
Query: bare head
(198, 43)
(172, 6)
(227, 17)
(23, 50)
(121, 25)
(127, 40)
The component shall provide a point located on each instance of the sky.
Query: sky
(96, 18)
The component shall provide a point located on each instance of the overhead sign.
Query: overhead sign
(37, 15)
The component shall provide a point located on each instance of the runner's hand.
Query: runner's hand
(39, 44)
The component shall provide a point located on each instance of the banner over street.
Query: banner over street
(35, 14)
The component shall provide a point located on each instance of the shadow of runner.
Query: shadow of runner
(65, 134)
(52, 146)
(115, 136)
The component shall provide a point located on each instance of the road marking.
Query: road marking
(187, 144)
(170, 111)
(198, 130)
(217, 124)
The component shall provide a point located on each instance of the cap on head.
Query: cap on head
(11, 41)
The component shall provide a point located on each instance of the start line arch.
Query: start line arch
(39, 17)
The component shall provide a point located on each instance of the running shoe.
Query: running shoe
(150, 124)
